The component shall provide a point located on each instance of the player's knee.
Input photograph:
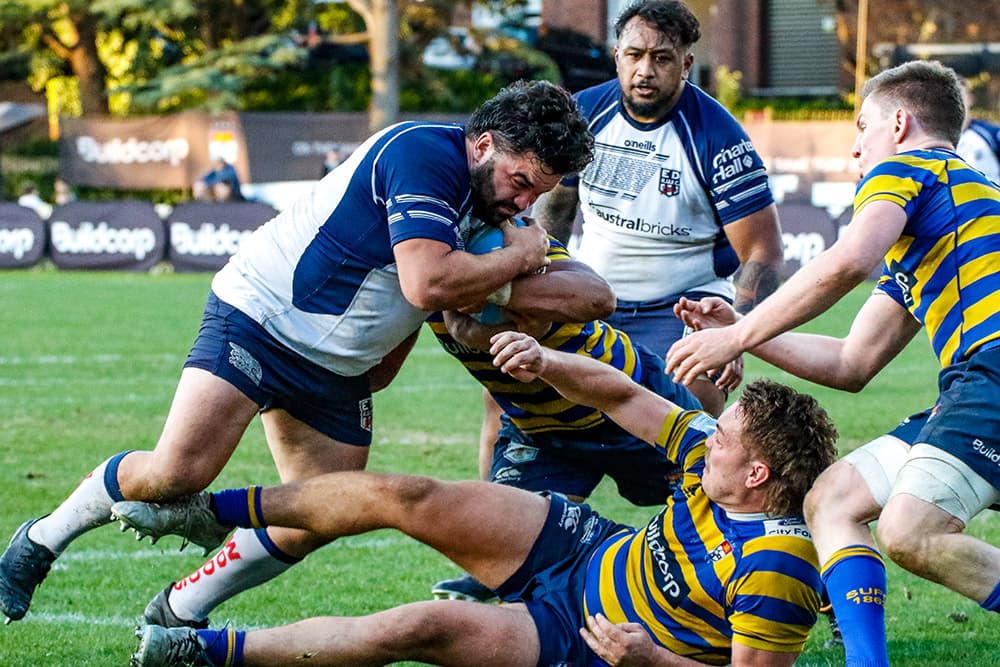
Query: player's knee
(830, 492)
(411, 492)
(904, 542)
(422, 631)
(146, 476)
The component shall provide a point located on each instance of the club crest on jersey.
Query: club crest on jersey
(719, 552)
(670, 182)
(365, 413)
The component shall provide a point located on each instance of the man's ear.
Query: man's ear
(902, 124)
(688, 63)
(482, 147)
(758, 475)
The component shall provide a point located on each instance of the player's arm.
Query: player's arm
(569, 291)
(756, 239)
(810, 291)
(628, 645)
(556, 211)
(583, 380)
(880, 331)
(435, 276)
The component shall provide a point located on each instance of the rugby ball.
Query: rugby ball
(487, 239)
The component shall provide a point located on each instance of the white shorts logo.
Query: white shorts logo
(244, 361)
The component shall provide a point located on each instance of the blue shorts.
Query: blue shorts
(551, 580)
(652, 323)
(240, 351)
(966, 420)
(574, 462)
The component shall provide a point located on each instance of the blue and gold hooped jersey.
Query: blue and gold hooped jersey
(943, 268)
(700, 579)
(535, 406)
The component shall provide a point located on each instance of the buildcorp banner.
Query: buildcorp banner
(147, 153)
(22, 236)
(122, 235)
(204, 235)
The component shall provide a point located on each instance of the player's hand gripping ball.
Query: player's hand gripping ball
(487, 239)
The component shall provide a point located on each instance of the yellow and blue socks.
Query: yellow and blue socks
(239, 507)
(223, 648)
(855, 581)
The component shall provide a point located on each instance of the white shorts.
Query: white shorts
(890, 467)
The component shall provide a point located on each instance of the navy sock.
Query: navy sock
(992, 603)
(239, 507)
(223, 648)
(855, 580)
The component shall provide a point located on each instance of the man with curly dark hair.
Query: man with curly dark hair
(315, 311)
(725, 573)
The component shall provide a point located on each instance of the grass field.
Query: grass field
(88, 366)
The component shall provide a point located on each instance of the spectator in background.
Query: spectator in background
(979, 144)
(63, 193)
(220, 183)
(33, 200)
(333, 157)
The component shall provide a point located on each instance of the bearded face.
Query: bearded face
(485, 204)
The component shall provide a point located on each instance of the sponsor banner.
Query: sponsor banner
(22, 236)
(121, 235)
(806, 232)
(169, 151)
(293, 146)
(204, 235)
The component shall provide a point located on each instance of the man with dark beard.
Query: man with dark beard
(317, 310)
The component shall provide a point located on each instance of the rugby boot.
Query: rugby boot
(190, 517)
(158, 612)
(23, 567)
(463, 588)
(168, 647)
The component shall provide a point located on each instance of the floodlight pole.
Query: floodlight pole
(860, 54)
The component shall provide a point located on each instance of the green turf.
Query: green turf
(88, 366)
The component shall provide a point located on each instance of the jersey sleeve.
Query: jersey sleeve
(730, 167)
(424, 185)
(774, 595)
(682, 437)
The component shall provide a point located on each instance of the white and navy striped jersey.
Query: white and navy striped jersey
(657, 195)
(321, 276)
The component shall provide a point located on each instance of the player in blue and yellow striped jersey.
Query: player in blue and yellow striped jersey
(725, 573)
(547, 442)
(934, 223)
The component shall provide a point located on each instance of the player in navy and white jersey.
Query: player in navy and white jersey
(726, 573)
(318, 308)
(676, 199)
(931, 221)
(979, 144)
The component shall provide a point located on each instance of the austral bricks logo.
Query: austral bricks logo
(640, 225)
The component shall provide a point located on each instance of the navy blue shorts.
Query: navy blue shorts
(966, 420)
(237, 349)
(574, 462)
(552, 578)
